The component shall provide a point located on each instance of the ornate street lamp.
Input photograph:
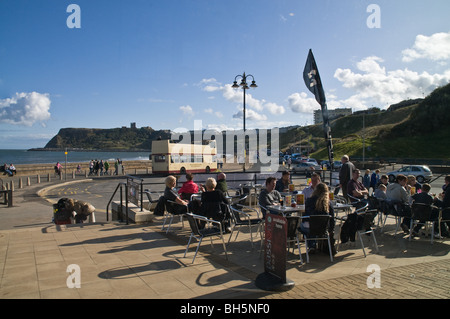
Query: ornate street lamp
(244, 87)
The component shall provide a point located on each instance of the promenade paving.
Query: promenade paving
(119, 261)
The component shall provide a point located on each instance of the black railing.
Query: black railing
(120, 185)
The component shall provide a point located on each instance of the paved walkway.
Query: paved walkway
(140, 261)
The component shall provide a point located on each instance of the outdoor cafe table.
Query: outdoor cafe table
(286, 210)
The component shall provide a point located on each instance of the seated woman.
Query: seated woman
(188, 188)
(214, 204)
(171, 194)
(318, 204)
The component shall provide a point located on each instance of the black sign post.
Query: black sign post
(274, 276)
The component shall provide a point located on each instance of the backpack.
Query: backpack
(160, 207)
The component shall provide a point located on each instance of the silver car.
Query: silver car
(421, 172)
(306, 167)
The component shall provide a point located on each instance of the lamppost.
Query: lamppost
(244, 87)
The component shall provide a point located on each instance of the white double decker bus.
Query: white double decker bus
(178, 158)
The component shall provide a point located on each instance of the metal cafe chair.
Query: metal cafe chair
(389, 210)
(444, 216)
(318, 230)
(293, 223)
(171, 212)
(241, 218)
(364, 227)
(421, 215)
(214, 228)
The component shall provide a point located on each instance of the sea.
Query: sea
(50, 157)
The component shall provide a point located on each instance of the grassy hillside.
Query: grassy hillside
(416, 131)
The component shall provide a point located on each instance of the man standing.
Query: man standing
(345, 174)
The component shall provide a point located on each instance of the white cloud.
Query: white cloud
(374, 84)
(217, 113)
(301, 103)
(250, 115)
(25, 109)
(274, 108)
(187, 110)
(435, 47)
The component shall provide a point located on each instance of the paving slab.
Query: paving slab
(119, 261)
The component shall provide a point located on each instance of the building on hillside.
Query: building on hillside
(333, 114)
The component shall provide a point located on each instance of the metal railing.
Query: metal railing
(120, 185)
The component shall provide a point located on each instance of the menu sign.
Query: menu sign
(275, 246)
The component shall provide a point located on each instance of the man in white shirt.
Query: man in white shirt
(315, 179)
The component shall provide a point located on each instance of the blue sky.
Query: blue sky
(166, 64)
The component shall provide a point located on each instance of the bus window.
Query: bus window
(160, 158)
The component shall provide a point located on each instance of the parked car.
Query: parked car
(296, 158)
(337, 164)
(305, 167)
(311, 160)
(421, 172)
(325, 163)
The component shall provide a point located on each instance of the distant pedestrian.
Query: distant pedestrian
(106, 167)
(345, 174)
(374, 180)
(58, 169)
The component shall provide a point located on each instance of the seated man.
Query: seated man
(222, 183)
(399, 192)
(188, 188)
(268, 195)
(282, 185)
(355, 188)
(445, 203)
(315, 180)
(425, 198)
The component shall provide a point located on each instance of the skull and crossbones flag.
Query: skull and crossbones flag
(312, 79)
(314, 84)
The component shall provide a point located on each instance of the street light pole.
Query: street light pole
(245, 87)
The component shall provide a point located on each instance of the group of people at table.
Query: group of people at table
(213, 202)
(214, 199)
(401, 194)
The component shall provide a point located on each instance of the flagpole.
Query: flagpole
(314, 84)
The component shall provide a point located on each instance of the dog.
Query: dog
(82, 209)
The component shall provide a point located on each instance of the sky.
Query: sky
(168, 64)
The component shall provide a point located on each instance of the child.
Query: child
(380, 192)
